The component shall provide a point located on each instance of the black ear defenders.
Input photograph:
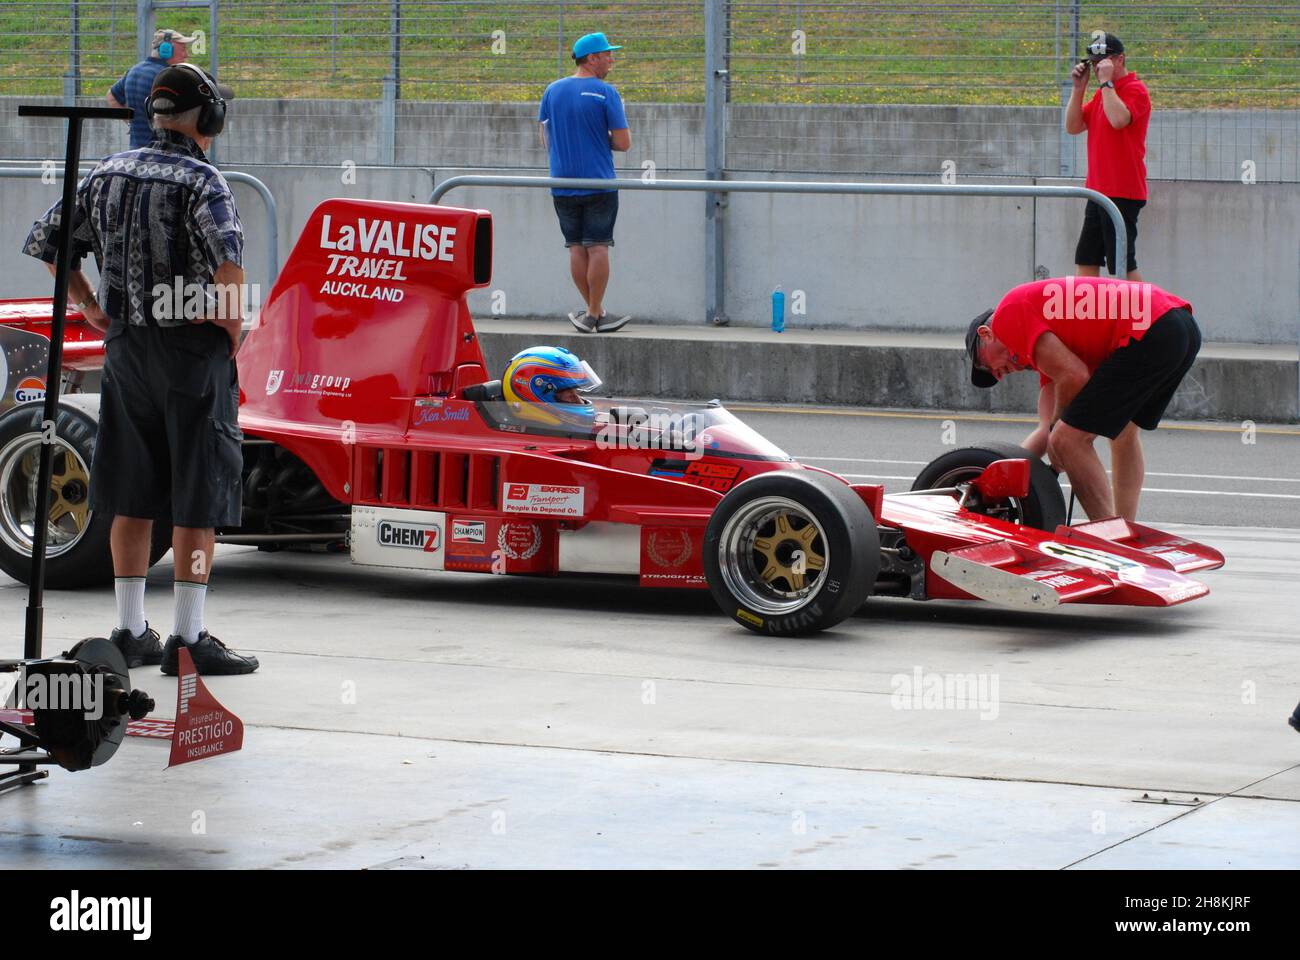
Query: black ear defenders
(212, 113)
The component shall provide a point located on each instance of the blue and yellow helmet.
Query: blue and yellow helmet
(534, 376)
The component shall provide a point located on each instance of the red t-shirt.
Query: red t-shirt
(1117, 165)
(1093, 316)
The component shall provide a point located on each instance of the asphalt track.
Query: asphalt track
(413, 721)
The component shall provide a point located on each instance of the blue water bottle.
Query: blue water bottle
(778, 309)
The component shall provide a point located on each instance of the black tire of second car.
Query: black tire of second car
(1044, 508)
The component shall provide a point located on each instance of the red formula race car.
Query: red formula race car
(370, 419)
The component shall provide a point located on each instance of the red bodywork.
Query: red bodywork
(359, 363)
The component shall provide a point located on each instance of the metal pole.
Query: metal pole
(41, 522)
(72, 82)
(388, 114)
(212, 65)
(1069, 165)
(144, 28)
(559, 45)
(715, 80)
(795, 186)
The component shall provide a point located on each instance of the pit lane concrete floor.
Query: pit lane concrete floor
(503, 722)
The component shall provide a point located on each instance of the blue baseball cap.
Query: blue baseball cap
(592, 43)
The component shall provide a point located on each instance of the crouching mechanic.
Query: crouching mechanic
(1111, 354)
(160, 220)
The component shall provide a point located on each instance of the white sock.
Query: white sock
(189, 610)
(130, 604)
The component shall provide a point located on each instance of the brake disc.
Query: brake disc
(84, 723)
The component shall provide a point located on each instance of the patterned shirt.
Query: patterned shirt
(155, 218)
(132, 91)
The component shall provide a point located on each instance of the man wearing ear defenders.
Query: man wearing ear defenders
(159, 220)
(170, 47)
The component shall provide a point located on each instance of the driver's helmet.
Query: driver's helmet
(535, 376)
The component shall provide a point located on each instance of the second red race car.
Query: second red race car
(370, 420)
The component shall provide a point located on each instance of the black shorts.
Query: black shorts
(1097, 238)
(1136, 382)
(588, 220)
(169, 439)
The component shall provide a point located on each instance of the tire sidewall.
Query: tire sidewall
(852, 544)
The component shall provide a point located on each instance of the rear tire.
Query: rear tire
(1043, 509)
(77, 548)
(752, 550)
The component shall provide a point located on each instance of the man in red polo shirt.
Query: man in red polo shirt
(1116, 120)
(1110, 354)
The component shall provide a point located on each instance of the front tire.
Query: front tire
(791, 552)
(1043, 508)
(77, 543)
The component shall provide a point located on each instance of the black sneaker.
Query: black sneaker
(608, 324)
(212, 658)
(582, 320)
(139, 651)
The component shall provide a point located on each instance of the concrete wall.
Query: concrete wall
(905, 263)
(853, 140)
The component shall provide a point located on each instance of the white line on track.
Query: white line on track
(1205, 493)
(1150, 473)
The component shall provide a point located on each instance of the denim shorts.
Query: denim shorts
(588, 220)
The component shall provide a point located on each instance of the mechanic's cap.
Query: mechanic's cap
(978, 375)
(592, 43)
(1104, 46)
(184, 86)
(172, 36)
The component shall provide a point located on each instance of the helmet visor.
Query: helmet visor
(592, 380)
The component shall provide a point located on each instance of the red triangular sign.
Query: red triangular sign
(204, 728)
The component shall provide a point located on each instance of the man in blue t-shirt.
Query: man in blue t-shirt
(582, 121)
(132, 90)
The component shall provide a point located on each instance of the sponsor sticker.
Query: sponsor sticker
(553, 500)
(519, 541)
(30, 389)
(468, 531)
(669, 548)
(1087, 557)
(748, 617)
(411, 536)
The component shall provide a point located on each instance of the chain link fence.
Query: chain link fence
(844, 88)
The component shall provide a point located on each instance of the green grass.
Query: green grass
(1001, 52)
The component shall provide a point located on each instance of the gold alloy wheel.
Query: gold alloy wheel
(68, 495)
(790, 551)
(772, 554)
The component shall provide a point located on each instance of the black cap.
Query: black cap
(184, 86)
(1104, 46)
(978, 375)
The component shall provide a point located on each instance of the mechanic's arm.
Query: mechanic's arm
(80, 290)
(1036, 442)
(227, 312)
(620, 140)
(1062, 365)
(1074, 123)
(541, 134)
